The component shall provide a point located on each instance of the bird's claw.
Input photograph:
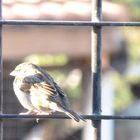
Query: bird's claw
(30, 112)
(42, 113)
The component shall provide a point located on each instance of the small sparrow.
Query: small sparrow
(39, 93)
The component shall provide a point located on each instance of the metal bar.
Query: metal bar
(1, 75)
(96, 85)
(67, 23)
(86, 117)
(96, 68)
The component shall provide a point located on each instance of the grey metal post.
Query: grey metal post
(1, 75)
(96, 67)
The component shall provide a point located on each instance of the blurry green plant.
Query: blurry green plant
(48, 59)
(123, 95)
(133, 5)
(132, 37)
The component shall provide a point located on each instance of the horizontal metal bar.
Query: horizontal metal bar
(67, 23)
(87, 117)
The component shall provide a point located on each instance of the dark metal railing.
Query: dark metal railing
(96, 117)
(96, 68)
(87, 117)
(67, 23)
(1, 75)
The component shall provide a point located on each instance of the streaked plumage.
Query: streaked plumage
(38, 92)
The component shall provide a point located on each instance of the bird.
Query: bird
(38, 92)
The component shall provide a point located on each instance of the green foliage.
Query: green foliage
(123, 95)
(48, 59)
(132, 38)
(133, 5)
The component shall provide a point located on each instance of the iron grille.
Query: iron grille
(96, 116)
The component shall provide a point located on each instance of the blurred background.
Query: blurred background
(65, 52)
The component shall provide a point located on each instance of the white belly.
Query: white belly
(23, 98)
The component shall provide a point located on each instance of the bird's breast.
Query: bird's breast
(23, 98)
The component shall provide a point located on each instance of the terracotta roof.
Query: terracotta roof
(59, 10)
(115, 12)
(51, 9)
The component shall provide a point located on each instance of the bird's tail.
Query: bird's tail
(74, 115)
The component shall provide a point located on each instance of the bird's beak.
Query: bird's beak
(13, 73)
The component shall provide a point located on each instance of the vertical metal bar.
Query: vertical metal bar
(1, 76)
(96, 67)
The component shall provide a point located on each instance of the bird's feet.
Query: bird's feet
(43, 113)
(30, 112)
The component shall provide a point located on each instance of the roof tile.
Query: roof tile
(29, 1)
(8, 1)
(78, 8)
(25, 11)
(68, 10)
(51, 9)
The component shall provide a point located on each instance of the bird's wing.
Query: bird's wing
(60, 97)
(49, 80)
(39, 82)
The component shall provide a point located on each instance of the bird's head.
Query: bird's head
(23, 69)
